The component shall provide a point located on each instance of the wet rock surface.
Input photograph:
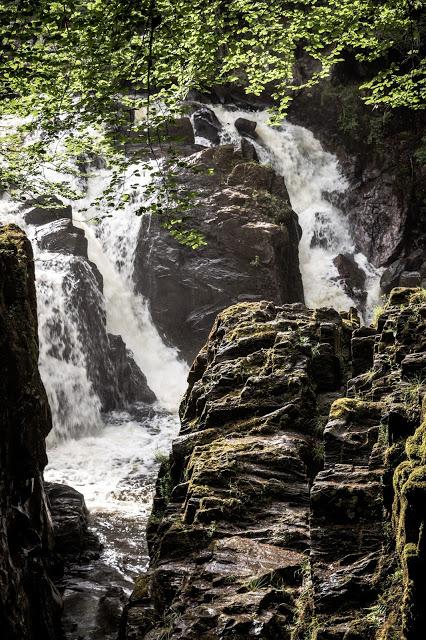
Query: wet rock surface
(293, 499)
(29, 603)
(352, 277)
(252, 234)
(229, 534)
(93, 592)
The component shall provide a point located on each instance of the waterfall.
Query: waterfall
(311, 176)
(110, 458)
(112, 245)
(62, 361)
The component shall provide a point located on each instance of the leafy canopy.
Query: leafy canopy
(73, 71)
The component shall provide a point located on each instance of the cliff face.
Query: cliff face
(379, 153)
(29, 603)
(243, 211)
(292, 505)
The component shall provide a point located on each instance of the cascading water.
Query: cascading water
(112, 245)
(63, 365)
(311, 175)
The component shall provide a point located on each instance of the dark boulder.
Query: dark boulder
(246, 127)
(206, 125)
(60, 236)
(352, 277)
(70, 518)
(131, 381)
(391, 275)
(42, 210)
(407, 271)
(410, 279)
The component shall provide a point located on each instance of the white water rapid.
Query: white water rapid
(311, 175)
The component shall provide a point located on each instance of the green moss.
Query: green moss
(141, 588)
(355, 407)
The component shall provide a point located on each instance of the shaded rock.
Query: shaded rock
(407, 271)
(29, 603)
(414, 365)
(391, 275)
(131, 381)
(352, 277)
(70, 522)
(43, 210)
(248, 150)
(62, 237)
(246, 127)
(252, 234)
(106, 357)
(181, 131)
(362, 349)
(409, 279)
(206, 125)
(356, 559)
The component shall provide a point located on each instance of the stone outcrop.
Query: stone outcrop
(242, 210)
(70, 518)
(292, 505)
(29, 603)
(377, 149)
(229, 534)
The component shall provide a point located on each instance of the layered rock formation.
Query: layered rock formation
(292, 507)
(29, 603)
(242, 210)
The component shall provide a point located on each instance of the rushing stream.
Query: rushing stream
(111, 458)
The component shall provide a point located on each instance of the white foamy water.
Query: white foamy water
(128, 447)
(112, 245)
(62, 361)
(311, 175)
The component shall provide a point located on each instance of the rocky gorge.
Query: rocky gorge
(291, 504)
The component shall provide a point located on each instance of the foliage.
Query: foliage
(73, 72)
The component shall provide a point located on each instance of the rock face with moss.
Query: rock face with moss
(29, 603)
(292, 505)
(243, 211)
(229, 535)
